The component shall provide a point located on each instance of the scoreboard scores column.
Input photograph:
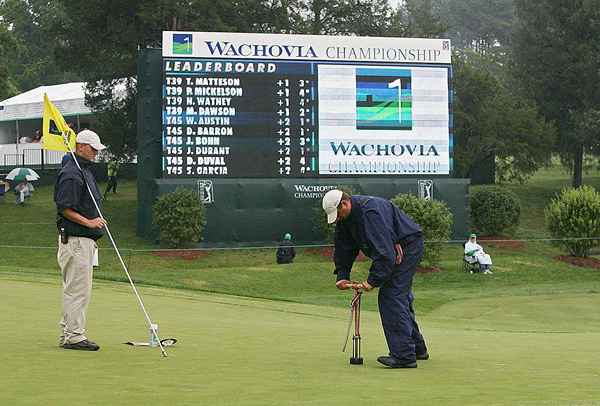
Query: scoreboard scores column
(239, 119)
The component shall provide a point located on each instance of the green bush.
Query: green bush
(495, 210)
(180, 217)
(575, 213)
(435, 220)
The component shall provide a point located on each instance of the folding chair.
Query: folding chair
(469, 263)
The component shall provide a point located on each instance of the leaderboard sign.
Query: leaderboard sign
(267, 105)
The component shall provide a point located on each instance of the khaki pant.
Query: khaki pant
(75, 261)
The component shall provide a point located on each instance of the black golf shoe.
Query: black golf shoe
(422, 357)
(85, 345)
(393, 362)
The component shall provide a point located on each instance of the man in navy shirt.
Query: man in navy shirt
(394, 242)
(79, 226)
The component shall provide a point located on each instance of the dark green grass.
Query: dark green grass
(252, 272)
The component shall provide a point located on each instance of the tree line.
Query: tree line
(526, 75)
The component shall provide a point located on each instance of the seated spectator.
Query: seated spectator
(23, 190)
(285, 252)
(37, 136)
(474, 254)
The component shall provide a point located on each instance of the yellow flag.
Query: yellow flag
(53, 128)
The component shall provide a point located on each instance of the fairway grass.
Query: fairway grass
(509, 350)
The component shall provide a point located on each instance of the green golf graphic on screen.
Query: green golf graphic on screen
(182, 44)
(383, 99)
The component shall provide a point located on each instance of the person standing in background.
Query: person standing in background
(112, 170)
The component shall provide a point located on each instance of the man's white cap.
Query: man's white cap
(91, 138)
(331, 201)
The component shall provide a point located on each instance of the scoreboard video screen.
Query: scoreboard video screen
(270, 106)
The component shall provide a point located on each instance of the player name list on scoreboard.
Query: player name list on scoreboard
(239, 118)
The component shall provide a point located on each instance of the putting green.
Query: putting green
(238, 351)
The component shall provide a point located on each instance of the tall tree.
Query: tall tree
(492, 122)
(483, 26)
(31, 60)
(557, 58)
(339, 17)
(100, 39)
(7, 44)
(417, 19)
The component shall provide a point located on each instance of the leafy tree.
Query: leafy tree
(417, 19)
(31, 61)
(100, 40)
(556, 57)
(339, 17)
(492, 122)
(483, 26)
(7, 43)
(115, 105)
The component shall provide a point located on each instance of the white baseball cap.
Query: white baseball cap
(91, 138)
(331, 201)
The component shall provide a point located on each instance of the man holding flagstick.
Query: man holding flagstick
(80, 216)
(80, 226)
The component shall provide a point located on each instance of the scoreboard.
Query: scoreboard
(271, 106)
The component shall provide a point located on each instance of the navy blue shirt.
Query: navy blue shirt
(374, 226)
(70, 192)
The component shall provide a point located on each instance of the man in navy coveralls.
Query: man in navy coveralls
(394, 243)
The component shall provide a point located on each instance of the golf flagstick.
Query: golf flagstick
(356, 358)
(148, 320)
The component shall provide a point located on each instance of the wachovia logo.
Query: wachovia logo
(312, 191)
(226, 48)
(349, 148)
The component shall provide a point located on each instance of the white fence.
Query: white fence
(29, 155)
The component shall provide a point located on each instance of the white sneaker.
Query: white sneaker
(487, 272)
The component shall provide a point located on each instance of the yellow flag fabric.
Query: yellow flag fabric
(53, 128)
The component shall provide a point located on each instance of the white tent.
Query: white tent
(68, 97)
(21, 120)
(21, 115)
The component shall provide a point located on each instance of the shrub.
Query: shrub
(495, 210)
(180, 217)
(575, 213)
(435, 220)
